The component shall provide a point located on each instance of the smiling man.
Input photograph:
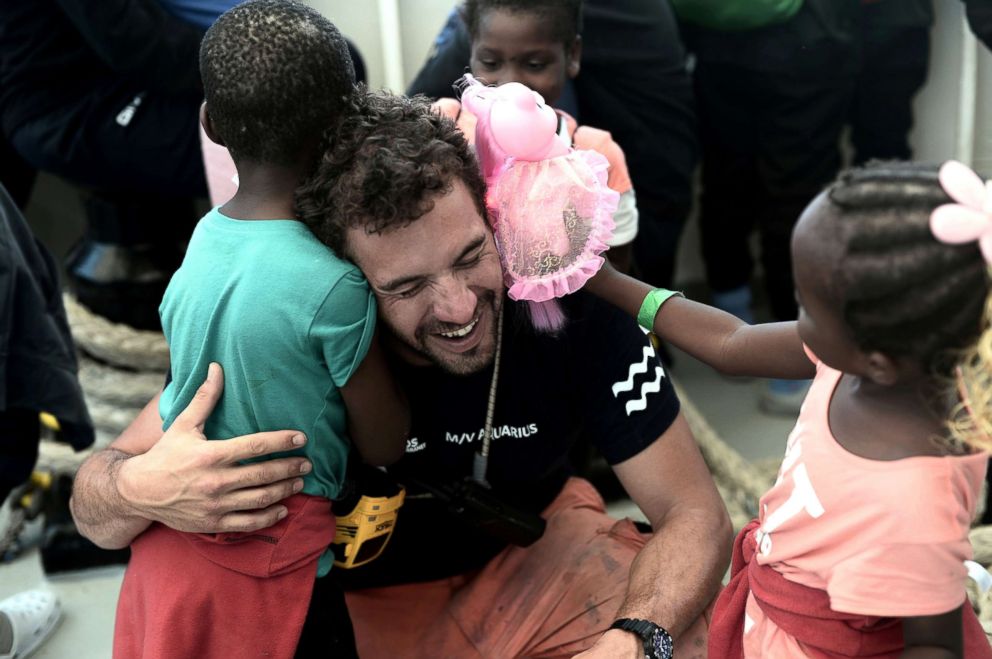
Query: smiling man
(446, 320)
(400, 194)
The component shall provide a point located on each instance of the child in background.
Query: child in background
(537, 43)
(293, 327)
(860, 545)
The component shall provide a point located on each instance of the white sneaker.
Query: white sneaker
(34, 615)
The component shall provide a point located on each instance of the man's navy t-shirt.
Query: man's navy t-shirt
(599, 379)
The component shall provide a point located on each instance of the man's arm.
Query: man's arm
(182, 480)
(678, 572)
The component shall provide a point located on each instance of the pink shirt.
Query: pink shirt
(882, 538)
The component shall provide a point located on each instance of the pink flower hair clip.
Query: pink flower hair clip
(970, 218)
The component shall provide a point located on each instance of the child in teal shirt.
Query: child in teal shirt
(292, 325)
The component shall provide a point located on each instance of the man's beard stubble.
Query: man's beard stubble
(455, 364)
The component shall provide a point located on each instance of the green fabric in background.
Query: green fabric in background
(736, 14)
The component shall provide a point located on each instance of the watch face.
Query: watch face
(661, 644)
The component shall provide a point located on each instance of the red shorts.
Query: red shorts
(222, 595)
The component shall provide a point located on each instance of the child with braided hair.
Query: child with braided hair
(860, 546)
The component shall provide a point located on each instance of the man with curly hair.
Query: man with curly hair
(400, 194)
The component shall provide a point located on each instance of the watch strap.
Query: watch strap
(647, 630)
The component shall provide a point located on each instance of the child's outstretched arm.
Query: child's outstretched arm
(378, 413)
(933, 637)
(728, 344)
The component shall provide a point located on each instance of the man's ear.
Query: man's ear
(208, 125)
(881, 369)
(574, 58)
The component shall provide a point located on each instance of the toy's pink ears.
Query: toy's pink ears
(474, 94)
(971, 217)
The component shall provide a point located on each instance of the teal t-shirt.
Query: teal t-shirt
(287, 319)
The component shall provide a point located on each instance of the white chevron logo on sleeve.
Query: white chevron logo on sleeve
(647, 388)
(640, 367)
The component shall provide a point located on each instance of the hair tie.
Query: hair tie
(970, 218)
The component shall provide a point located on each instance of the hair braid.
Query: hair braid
(905, 293)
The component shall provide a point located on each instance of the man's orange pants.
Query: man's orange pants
(552, 599)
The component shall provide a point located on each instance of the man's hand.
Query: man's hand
(191, 484)
(615, 644)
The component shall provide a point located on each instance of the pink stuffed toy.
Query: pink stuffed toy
(549, 205)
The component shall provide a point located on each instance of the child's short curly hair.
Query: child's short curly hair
(389, 160)
(563, 16)
(276, 74)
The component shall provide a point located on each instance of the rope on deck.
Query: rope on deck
(741, 483)
(120, 370)
(115, 344)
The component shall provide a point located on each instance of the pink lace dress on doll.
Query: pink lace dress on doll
(549, 205)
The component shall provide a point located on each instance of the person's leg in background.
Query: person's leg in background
(19, 435)
(634, 83)
(799, 157)
(15, 174)
(730, 185)
(980, 19)
(896, 62)
(772, 103)
(779, 95)
(327, 630)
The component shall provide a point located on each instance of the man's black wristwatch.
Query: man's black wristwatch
(658, 643)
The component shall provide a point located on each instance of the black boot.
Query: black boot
(123, 264)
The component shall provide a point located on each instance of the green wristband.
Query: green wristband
(652, 303)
